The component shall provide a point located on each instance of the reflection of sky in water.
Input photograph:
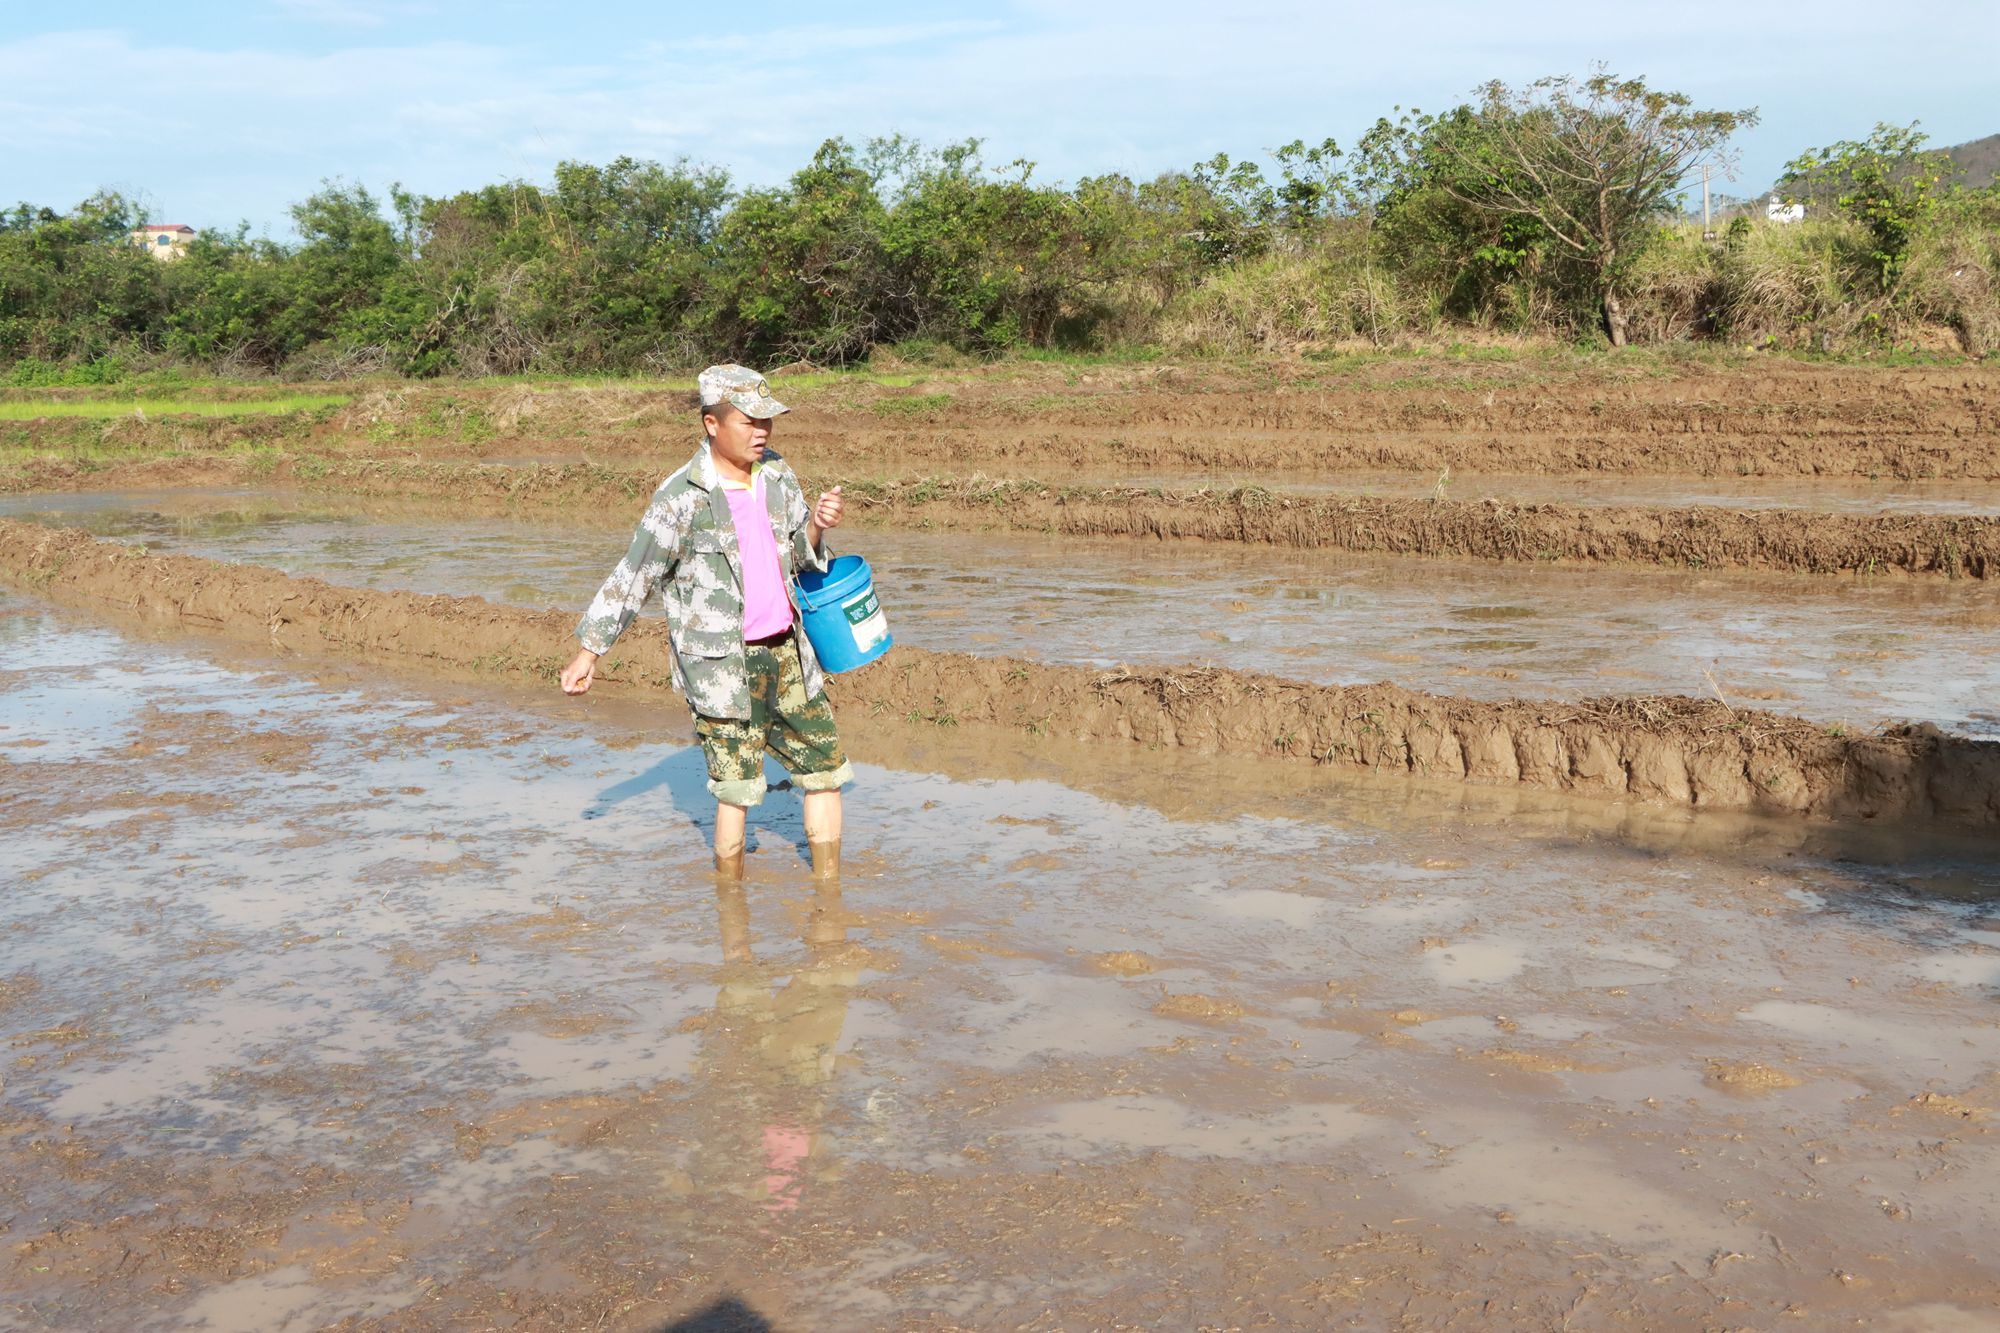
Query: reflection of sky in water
(1857, 651)
(456, 902)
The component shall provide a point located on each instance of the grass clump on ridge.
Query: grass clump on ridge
(33, 409)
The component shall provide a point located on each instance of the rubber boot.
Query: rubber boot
(729, 865)
(826, 859)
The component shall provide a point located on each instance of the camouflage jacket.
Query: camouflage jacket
(685, 546)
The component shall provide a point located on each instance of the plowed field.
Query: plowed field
(1626, 957)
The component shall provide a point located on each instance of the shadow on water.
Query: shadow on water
(681, 773)
(728, 1315)
(684, 774)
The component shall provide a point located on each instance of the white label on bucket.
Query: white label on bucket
(865, 619)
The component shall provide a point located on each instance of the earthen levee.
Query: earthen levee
(1676, 750)
(1681, 537)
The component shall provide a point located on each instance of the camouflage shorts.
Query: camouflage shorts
(798, 731)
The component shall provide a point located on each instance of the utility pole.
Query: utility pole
(1707, 229)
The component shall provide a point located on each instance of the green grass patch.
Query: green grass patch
(104, 409)
(916, 405)
(1133, 354)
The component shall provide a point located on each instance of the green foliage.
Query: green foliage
(71, 286)
(1593, 163)
(1886, 182)
(1477, 265)
(31, 372)
(1546, 211)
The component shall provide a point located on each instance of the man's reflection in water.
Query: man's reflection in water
(768, 1052)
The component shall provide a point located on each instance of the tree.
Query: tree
(335, 281)
(1886, 182)
(1591, 161)
(980, 259)
(72, 286)
(1412, 178)
(1312, 186)
(797, 271)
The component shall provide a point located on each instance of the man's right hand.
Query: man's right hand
(582, 669)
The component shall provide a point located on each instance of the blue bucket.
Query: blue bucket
(841, 615)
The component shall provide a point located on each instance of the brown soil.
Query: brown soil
(1693, 537)
(1674, 750)
(1789, 423)
(1197, 1005)
(1124, 963)
(1747, 1076)
(1775, 419)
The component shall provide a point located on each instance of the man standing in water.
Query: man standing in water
(723, 537)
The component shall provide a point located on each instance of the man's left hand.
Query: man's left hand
(826, 514)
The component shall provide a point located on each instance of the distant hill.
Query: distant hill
(1981, 160)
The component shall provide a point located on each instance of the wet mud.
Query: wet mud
(1672, 749)
(1851, 652)
(384, 1005)
(1826, 495)
(1952, 546)
(1795, 421)
(1946, 545)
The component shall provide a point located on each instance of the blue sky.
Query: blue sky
(218, 110)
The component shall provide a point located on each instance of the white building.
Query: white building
(163, 240)
(1783, 213)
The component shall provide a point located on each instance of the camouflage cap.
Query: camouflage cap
(742, 388)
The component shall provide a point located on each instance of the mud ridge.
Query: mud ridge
(1684, 537)
(1784, 420)
(1674, 750)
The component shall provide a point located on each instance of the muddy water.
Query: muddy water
(1856, 652)
(348, 998)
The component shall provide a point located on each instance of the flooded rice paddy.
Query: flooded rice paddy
(1854, 651)
(328, 997)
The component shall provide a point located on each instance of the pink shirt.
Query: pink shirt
(766, 608)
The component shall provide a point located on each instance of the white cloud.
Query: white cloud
(350, 13)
